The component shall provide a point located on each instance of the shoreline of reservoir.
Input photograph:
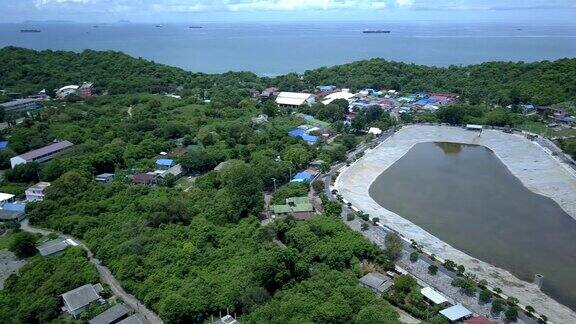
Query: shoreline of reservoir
(530, 163)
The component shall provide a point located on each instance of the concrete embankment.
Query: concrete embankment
(532, 165)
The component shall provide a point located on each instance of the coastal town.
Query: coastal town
(449, 291)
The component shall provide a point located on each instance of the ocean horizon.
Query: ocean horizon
(270, 49)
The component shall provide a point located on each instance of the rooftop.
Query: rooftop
(82, 296)
(17, 102)
(165, 162)
(376, 281)
(55, 246)
(5, 196)
(456, 312)
(134, 319)
(110, 315)
(40, 186)
(292, 98)
(52, 148)
(433, 295)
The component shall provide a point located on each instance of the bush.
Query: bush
(350, 217)
(414, 256)
(433, 269)
(364, 226)
(512, 301)
(375, 221)
(404, 283)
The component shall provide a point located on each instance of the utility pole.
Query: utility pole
(274, 180)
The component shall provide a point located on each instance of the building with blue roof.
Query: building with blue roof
(3, 145)
(164, 164)
(310, 139)
(14, 207)
(303, 176)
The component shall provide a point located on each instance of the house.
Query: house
(268, 93)
(303, 176)
(344, 94)
(433, 296)
(67, 90)
(299, 207)
(326, 88)
(228, 319)
(310, 139)
(456, 313)
(104, 177)
(55, 246)
(294, 99)
(164, 164)
(377, 282)
(176, 171)
(3, 145)
(21, 105)
(112, 315)
(85, 90)
(75, 301)
(135, 319)
(36, 192)
(142, 178)
(12, 212)
(43, 154)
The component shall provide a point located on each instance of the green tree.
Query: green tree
(23, 245)
(433, 269)
(394, 246)
(414, 256)
(497, 305)
(485, 296)
(404, 283)
(511, 314)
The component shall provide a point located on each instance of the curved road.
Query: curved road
(105, 275)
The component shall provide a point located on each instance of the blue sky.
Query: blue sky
(546, 11)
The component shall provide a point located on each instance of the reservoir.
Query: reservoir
(465, 196)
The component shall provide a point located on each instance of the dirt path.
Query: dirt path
(105, 275)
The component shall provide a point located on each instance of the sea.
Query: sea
(270, 49)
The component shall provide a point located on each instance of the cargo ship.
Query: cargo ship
(29, 30)
(376, 31)
(195, 27)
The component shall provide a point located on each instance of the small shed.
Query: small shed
(377, 282)
(433, 296)
(456, 313)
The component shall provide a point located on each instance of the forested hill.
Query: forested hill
(28, 71)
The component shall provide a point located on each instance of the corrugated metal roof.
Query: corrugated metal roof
(46, 150)
(80, 297)
(53, 246)
(134, 319)
(456, 312)
(110, 315)
(292, 98)
(433, 295)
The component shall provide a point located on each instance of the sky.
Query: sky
(547, 11)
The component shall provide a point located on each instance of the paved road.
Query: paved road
(105, 275)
